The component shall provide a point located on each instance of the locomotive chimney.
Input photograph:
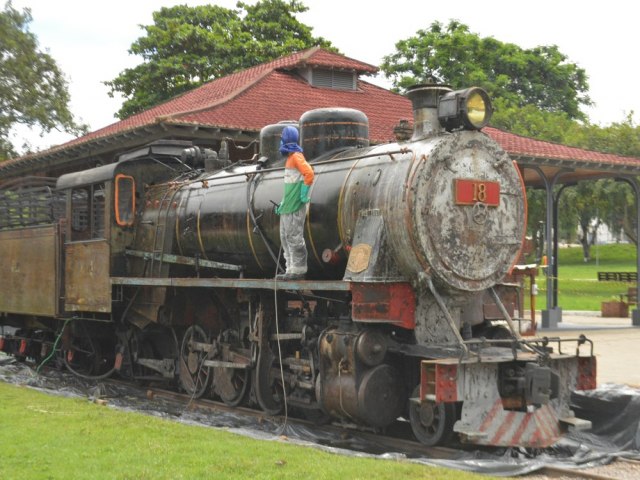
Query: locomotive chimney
(424, 99)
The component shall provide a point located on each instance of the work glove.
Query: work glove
(304, 193)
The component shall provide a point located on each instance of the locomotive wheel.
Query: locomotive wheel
(232, 385)
(194, 377)
(432, 423)
(267, 384)
(84, 357)
(139, 347)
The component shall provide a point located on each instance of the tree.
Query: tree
(621, 212)
(584, 204)
(536, 220)
(188, 46)
(33, 90)
(530, 121)
(541, 77)
(621, 138)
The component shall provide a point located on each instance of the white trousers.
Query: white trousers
(292, 240)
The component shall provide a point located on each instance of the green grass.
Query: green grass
(49, 437)
(578, 286)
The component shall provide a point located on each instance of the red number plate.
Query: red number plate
(470, 192)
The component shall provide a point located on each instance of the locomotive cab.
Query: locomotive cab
(101, 207)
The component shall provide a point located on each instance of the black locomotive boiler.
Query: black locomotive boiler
(161, 266)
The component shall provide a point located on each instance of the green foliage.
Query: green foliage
(188, 46)
(540, 77)
(530, 121)
(50, 437)
(584, 204)
(620, 138)
(620, 210)
(33, 90)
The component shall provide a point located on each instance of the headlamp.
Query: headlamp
(470, 109)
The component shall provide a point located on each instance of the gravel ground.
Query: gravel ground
(620, 470)
(615, 344)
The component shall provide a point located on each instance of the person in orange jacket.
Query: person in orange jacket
(298, 178)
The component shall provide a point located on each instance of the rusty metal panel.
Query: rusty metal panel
(587, 368)
(29, 271)
(440, 381)
(87, 282)
(384, 303)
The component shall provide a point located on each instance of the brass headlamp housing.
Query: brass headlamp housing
(469, 109)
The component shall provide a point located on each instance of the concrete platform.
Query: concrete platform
(616, 344)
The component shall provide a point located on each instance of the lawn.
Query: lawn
(578, 285)
(50, 437)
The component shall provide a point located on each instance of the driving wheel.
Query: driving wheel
(194, 377)
(232, 385)
(267, 383)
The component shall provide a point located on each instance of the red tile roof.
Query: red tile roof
(271, 92)
(227, 93)
(517, 145)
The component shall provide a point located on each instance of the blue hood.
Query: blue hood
(289, 141)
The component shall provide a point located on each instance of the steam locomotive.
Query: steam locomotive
(161, 267)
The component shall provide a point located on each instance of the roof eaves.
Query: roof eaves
(528, 159)
(569, 152)
(69, 153)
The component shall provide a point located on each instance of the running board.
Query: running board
(182, 260)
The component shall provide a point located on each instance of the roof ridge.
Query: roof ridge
(284, 62)
(310, 52)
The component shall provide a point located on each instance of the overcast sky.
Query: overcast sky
(90, 39)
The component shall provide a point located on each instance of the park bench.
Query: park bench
(617, 276)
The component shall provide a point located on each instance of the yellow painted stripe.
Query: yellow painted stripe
(341, 232)
(204, 254)
(250, 237)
